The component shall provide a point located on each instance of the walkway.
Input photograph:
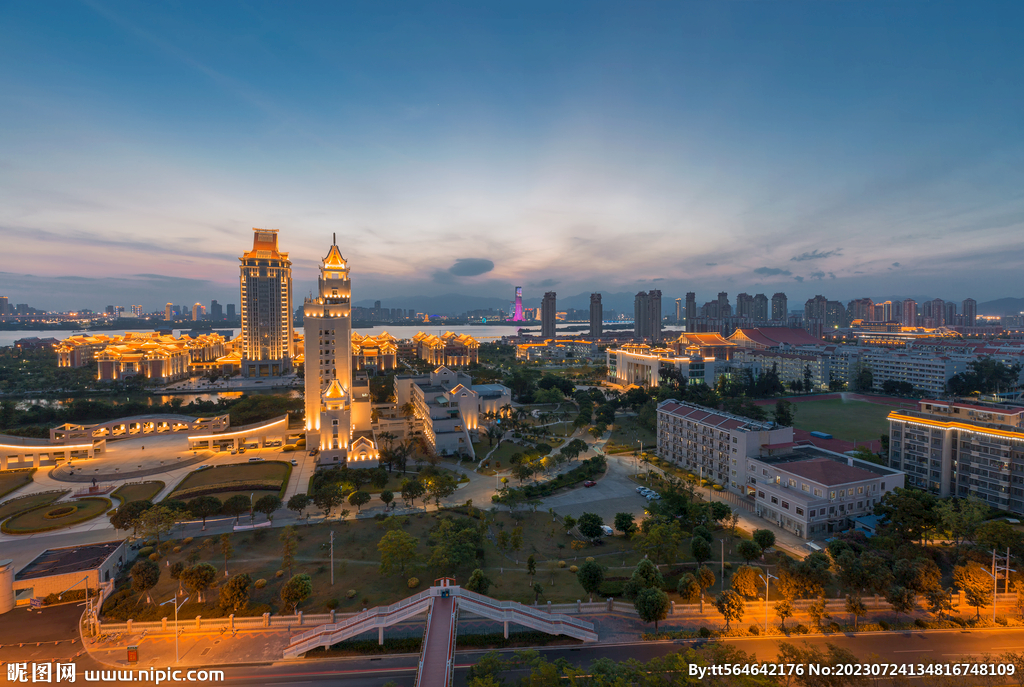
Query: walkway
(438, 645)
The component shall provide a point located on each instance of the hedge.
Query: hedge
(591, 467)
(220, 487)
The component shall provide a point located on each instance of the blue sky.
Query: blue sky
(845, 148)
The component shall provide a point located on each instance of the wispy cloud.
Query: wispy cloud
(772, 271)
(816, 255)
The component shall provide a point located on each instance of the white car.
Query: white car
(607, 530)
(641, 490)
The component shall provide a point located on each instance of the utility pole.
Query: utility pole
(722, 542)
(332, 558)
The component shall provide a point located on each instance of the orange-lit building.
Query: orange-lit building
(266, 292)
(448, 350)
(158, 357)
(705, 345)
(378, 353)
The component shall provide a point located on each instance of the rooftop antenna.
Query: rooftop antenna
(334, 239)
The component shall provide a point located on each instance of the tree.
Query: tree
(226, 550)
(478, 582)
(203, 507)
(700, 549)
(783, 609)
(267, 505)
(706, 580)
(688, 588)
(974, 581)
(236, 505)
(156, 522)
(730, 605)
(145, 574)
(907, 513)
(531, 566)
(397, 549)
(568, 522)
(515, 541)
(864, 379)
(522, 471)
(288, 547)
(298, 503)
(745, 581)
(591, 577)
(624, 523)
(387, 497)
(748, 550)
(589, 525)
(412, 489)
(765, 539)
(359, 499)
(441, 487)
(661, 542)
(998, 535)
(651, 605)
(537, 591)
(379, 478)
(328, 497)
(855, 607)
(938, 600)
(198, 578)
(645, 576)
(818, 610)
(784, 412)
(296, 590)
(128, 516)
(234, 595)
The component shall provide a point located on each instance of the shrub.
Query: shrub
(332, 604)
(154, 557)
(279, 573)
(176, 549)
(833, 627)
(561, 564)
(414, 582)
(884, 625)
(145, 551)
(704, 632)
(728, 566)
(60, 512)
(614, 588)
(150, 542)
(755, 629)
(920, 623)
(111, 512)
(590, 559)
(574, 569)
(186, 541)
(351, 594)
(801, 630)
(260, 583)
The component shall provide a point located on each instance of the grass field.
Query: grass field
(14, 479)
(222, 474)
(848, 420)
(141, 491)
(16, 505)
(35, 520)
(626, 432)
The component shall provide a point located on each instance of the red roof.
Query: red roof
(773, 337)
(826, 471)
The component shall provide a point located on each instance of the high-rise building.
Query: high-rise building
(136, 311)
(338, 419)
(691, 308)
(744, 305)
(596, 315)
(679, 310)
(835, 315)
(949, 313)
(517, 312)
(938, 312)
(548, 311)
(780, 308)
(759, 312)
(647, 315)
(197, 312)
(909, 318)
(266, 291)
(861, 309)
(4, 306)
(724, 309)
(970, 312)
(231, 311)
(216, 311)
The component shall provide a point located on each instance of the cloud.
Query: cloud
(771, 271)
(545, 284)
(471, 267)
(816, 255)
(659, 279)
(819, 275)
(798, 278)
(711, 264)
(831, 275)
(895, 264)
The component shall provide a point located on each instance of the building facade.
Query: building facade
(596, 316)
(548, 315)
(266, 291)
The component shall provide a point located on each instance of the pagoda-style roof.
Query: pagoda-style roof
(334, 259)
(335, 390)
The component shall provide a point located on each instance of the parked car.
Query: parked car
(255, 459)
(607, 530)
(590, 483)
(641, 490)
(203, 467)
(294, 462)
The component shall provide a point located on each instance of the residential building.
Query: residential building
(759, 312)
(691, 308)
(647, 316)
(266, 291)
(597, 315)
(970, 312)
(909, 318)
(338, 407)
(780, 308)
(231, 311)
(679, 310)
(548, 315)
(937, 311)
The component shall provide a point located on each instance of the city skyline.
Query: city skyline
(761, 149)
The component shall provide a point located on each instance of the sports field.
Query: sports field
(848, 420)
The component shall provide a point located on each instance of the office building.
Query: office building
(970, 312)
(517, 311)
(780, 305)
(645, 365)
(597, 315)
(231, 311)
(548, 313)
(197, 312)
(5, 307)
(691, 308)
(216, 311)
(338, 419)
(266, 291)
(679, 310)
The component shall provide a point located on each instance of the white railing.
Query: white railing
(552, 623)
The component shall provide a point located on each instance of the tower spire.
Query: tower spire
(334, 239)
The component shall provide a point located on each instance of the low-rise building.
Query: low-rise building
(643, 365)
(158, 357)
(378, 353)
(556, 350)
(448, 349)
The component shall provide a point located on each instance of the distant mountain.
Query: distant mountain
(1002, 306)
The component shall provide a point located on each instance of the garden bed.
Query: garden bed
(48, 517)
(140, 491)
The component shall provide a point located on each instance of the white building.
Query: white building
(643, 365)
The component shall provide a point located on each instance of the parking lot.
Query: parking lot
(614, 493)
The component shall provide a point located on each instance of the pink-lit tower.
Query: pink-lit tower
(518, 314)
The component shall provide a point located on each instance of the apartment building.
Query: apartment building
(711, 442)
(790, 367)
(962, 449)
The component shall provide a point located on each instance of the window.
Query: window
(812, 513)
(785, 504)
(860, 505)
(805, 487)
(817, 492)
(760, 494)
(860, 490)
(792, 483)
(775, 500)
(799, 511)
(764, 472)
(831, 494)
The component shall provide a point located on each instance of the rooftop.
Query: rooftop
(825, 467)
(71, 559)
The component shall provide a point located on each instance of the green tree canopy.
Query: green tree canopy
(296, 590)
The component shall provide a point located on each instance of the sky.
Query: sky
(845, 148)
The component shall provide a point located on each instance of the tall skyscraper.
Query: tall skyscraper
(949, 313)
(596, 315)
(197, 312)
(780, 308)
(654, 314)
(647, 316)
(517, 312)
(231, 311)
(548, 312)
(679, 310)
(4, 306)
(266, 291)
(336, 422)
(970, 311)
(938, 310)
(216, 311)
(691, 308)
(744, 305)
(759, 310)
(724, 309)
(909, 318)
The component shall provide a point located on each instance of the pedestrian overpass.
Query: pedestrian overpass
(442, 603)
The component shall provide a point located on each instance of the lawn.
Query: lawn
(503, 453)
(139, 491)
(626, 432)
(56, 516)
(16, 505)
(15, 479)
(226, 476)
(848, 420)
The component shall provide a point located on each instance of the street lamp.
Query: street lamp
(174, 600)
(996, 569)
(88, 600)
(769, 577)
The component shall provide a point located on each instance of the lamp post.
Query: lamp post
(174, 600)
(88, 601)
(251, 516)
(996, 569)
(769, 577)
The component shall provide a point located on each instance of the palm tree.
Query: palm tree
(506, 410)
(494, 432)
